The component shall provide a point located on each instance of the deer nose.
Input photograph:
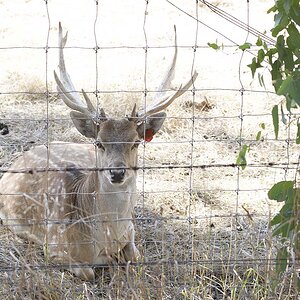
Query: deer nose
(117, 175)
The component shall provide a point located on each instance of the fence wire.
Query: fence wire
(200, 236)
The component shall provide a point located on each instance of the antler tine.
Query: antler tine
(165, 102)
(161, 102)
(67, 97)
(65, 86)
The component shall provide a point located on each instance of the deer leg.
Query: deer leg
(61, 256)
(64, 252)
(130, 251)
(84, 273)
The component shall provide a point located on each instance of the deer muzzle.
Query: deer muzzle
(117, 175)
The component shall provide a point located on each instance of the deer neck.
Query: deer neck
(94, 191)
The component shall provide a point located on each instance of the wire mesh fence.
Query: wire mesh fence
(201, 222)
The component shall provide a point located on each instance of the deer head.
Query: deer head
(117, 139)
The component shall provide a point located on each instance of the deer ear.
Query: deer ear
(84, 125)
(148, 129)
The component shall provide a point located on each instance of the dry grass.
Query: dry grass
(180, 262)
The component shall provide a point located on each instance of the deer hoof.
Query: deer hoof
(86, 274)
(131, 252)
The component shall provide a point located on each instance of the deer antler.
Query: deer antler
(67, 90)
(162, 102)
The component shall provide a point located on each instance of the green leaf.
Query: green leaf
(287, 6)
(298, 134)
(294, 13)
(259, 42)
(275, 120)
(276, 74)
(276, 220)
(287, 209)
(261, 80)
(290, 86)
(272, 9)
(259, 133)
(285, 86)
(297, 53)
(276, 30)
(241, 159)
(265, 46)
(280, 46)
(278, 18)
(245, 46)
(271, 52)
(294, 90)
(262, 126)
(258, 136)
(288, 59)
(281, 191)
(293, 40)
(281, 21)
(260, 56)
(284, 53)
(253, 66)
(290, 103)
(214, 46)
(281, 260)
(285, 228)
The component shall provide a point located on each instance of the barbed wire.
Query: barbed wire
(184, 263)
(293, 165)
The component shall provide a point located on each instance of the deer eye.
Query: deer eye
(99, 145)
(135, 144)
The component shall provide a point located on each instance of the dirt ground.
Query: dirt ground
(195, 218)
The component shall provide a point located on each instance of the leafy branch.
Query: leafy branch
(284, 61)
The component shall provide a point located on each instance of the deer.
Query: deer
(78, 200)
